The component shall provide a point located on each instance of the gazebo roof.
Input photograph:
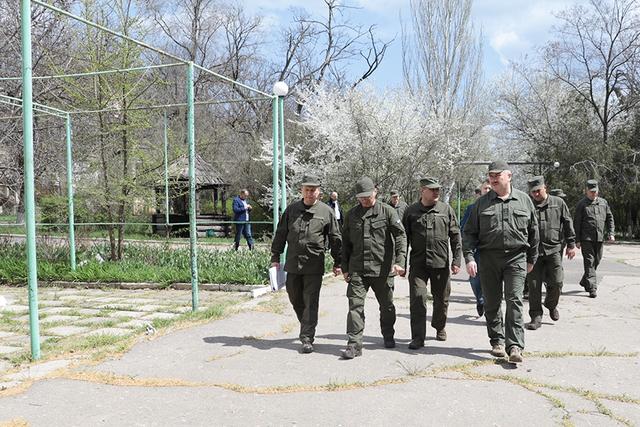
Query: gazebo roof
(206, 174)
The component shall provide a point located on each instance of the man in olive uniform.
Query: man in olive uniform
(554, 223)
(431, 226)
(594, 223)
(396, 202)
(374, 248)
(304, 226)
(560, 193)
(504, 229)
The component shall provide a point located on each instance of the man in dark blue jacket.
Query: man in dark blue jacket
(241, 217)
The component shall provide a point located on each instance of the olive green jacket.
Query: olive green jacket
(305, 228)
(373, 240)
(554, 224)
(430, 230)
(593, 220)
(500, 225)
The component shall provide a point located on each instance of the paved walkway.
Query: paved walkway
(246, 369)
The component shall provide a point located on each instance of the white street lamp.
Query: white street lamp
(280, 89)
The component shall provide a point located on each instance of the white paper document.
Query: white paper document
(277, 278)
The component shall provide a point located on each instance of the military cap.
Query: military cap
(395, 193)
(498, 166)
(430, 182)
(557, 192)
(310, 180)
(365, 187)
(592, 185)
(536, 183)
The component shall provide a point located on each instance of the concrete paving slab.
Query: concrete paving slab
(16, 339)
(4, 367)
(121, 313)
(109, 300)
(6, 349)
(133, 324)
(60, 318)
(93, 321)
(140, 301)
(38, 371)
(159, 315)
(4, 334)
(114, 307)
(15, 308)
(66, 331)
(149, 307)
(47, 303)
(53, 310)
(87, 311)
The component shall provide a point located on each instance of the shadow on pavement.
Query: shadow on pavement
(369, 344)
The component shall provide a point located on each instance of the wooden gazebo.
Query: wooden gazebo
(211, 198)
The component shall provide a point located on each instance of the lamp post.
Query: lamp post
(280, 89)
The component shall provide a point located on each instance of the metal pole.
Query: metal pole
(459, 201)
(166, 176)
(97, 73)
(164, 106)
(29, 190)
(72, 236)
(283, 166)
(108, 30)
(276, 196)
(192, 188)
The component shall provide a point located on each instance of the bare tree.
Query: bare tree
(49, 36)
(317, 50)
(442, 63)
(442, 56)
(594, 54)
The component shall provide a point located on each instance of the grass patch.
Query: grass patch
(412, 370)
(140, 264)
(276, 304)
(16, 422)
(9, 323)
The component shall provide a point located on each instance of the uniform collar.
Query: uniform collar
(543, 203)
(512, 195)
(373, 211)
(434, 207)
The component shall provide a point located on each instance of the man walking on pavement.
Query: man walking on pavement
(503, 227)
(560, 193)
(374, 248)
(397, 203)
(431, 226)
(241, 211)
(594, 223)
(554, 223)
(304, 226)
(475, 281)
(336, 207)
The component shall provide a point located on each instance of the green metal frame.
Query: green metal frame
(28, 107)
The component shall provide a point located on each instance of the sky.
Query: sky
(511, 28)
